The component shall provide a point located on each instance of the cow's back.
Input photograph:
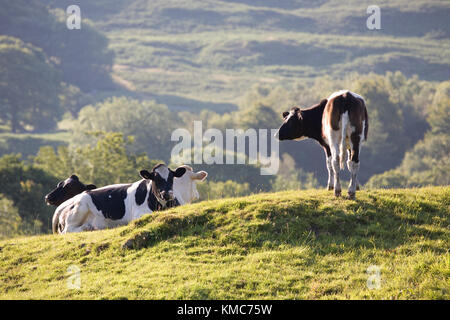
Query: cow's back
(110, 201)
(342, 104)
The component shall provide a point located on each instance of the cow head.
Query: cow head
(161, 178)
(67, 189)
(185, 188)
(292, 127)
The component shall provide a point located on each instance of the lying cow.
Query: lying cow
(67, 189)
(185, 188)
(337, 123)
(118, 204)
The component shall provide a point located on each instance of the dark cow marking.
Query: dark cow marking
(153, 203)
(110, 201)
(141, 193)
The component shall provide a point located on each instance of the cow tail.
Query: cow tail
(342, 143)
(342, 154)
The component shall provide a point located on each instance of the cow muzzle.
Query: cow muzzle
(167, 196)
(48, 200)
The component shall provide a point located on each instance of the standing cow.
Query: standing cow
(337, 123)
(118, 204)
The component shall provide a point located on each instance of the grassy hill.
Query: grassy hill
(288, 245)
(207, 54)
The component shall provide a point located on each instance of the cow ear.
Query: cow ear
(147, 175)
(74, 177)
(179, 172)
(201, 175)
(91, 187)
(285, 114)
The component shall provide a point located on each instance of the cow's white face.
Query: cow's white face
(163, 171)
(185, 188)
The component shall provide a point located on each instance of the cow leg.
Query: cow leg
(337, 182)
(98, 223)
(330, 184)
(358, 186)
(77, 218)
(353, 164)
(335, 162)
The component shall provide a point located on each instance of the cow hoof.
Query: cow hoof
(330, 188)
(337, 193)
(358, 187)
(351, 195)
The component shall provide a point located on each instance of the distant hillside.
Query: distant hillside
(206, 54)
(287, 245)
(81, 55)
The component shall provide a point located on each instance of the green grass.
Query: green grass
(287, 245)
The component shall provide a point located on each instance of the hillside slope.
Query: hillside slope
(288, 245)
(207, 54)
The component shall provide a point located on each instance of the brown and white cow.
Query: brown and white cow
(337, 123)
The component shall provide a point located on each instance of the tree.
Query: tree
(25, 186)
(428, 163)
(257, 117)
(388, 179)
(105, 162)
(386, 142)
(439, 113)
(29, 86)
(151, 124)
(291, 178)
(10, 220)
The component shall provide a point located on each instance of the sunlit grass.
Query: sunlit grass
(287, 245)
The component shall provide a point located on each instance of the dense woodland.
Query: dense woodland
(103, 101)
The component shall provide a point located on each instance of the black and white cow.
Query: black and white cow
(67, 189)
(118, 204)
(337, 123)
(185, 187)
